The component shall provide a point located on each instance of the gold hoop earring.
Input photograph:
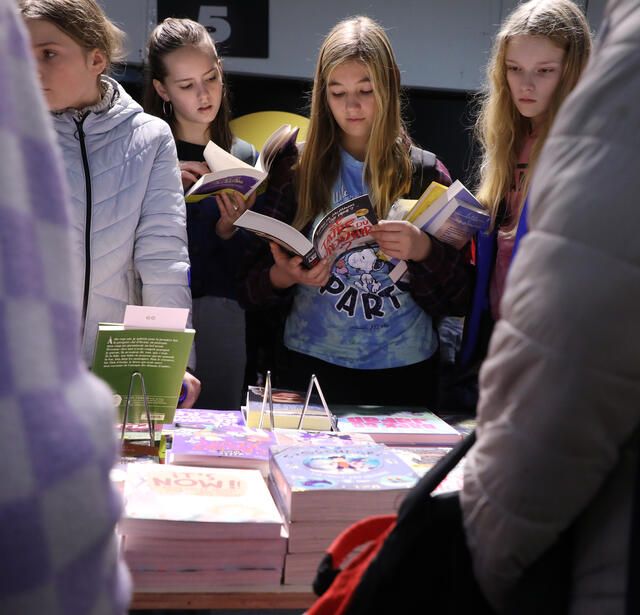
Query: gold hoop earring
(164, 108)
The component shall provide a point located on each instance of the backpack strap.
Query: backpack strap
(349, 539)
(633, 565)
(424, 170)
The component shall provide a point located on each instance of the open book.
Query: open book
(230, 173)
(452, 215)
(345, 227)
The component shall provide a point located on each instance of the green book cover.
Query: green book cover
(159, 355)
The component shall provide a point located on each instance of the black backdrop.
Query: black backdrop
(438, 120)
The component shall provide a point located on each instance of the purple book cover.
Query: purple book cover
(208, 419)
(241, 442)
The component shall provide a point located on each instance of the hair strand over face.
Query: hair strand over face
(387, 168)
(500, 129)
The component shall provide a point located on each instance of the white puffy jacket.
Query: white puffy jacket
(559, 402)
(128, 211)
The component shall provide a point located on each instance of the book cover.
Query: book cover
(240, 447)
(197, 418)
(320, 438)
(422, 459)
(159, 355)
(344, 228)
(208, 503)
(229, 173)
(338, 482)
(398, 427)
(287, 406)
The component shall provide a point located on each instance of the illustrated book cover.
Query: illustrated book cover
(345, 227)
(237, 447)
(198, 503)
(398, 427)
(287, 406)
(338, 482)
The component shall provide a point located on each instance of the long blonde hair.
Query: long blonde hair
(387, 165)
(500, 129)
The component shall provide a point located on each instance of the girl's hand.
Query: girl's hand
(231, 205)
(401, 239)
(289, 270)
(192, 385)
(190, 170)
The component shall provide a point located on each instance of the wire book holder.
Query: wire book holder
(267, 398)
(125, 418)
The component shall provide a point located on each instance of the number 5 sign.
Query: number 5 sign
(240, 29)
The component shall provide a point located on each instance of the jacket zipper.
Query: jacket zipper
(87, 229)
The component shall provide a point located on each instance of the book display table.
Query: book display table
(276, 598)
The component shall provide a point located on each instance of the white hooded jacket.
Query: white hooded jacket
(129, 234)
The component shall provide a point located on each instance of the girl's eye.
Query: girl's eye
(546, 70)
(47, 53)
(213, 78)
(336, 94)
(512, 68)
(366, 92)
(185, 87)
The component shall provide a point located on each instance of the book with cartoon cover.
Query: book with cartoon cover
(339, 482)
(235, 447)
(192, 503)
(344, 228)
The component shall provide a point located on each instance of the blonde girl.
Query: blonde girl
(366, 338)
(185, 86)
(128, 216)
(538, 57)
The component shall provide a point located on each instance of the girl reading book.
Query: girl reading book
(128, 214)
(538, 56)
(368, 339)
(185, 86)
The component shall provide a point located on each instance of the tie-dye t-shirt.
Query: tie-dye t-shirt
(360, 319)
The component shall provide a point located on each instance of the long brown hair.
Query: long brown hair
(82, 20)
(500, 129)
(387, 167)
(168, 36)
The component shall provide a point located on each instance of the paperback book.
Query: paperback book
(237, 447)
(344, 228)
(287, 407)
(452, 215)
(228, 173)
(195, 418)
(422, 459)
(160, 356)
(198, 503)
(338, 482)
(398, 427)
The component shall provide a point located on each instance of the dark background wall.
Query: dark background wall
(438, 120)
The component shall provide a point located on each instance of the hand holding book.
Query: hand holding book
(288, 270)
(401, 239)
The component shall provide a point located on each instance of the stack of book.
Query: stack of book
(321, 490)
(191, 529)
(395, 427)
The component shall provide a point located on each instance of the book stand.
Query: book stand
(146, 407)
(267, 396)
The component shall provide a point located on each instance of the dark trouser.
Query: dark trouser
(409, 385)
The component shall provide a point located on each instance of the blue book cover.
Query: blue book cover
(341, 482)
